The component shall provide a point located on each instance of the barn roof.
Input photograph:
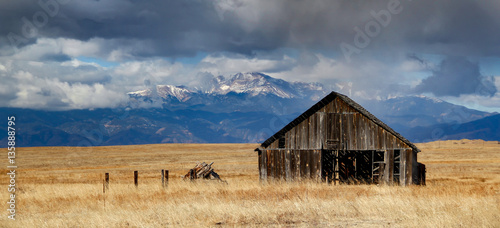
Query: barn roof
(326, 100)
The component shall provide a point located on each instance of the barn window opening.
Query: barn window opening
(281, 142)
(364, 166)
(328, 165)
(347, 166)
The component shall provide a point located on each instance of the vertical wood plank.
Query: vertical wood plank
(287, 139)
(321, 128)
(265, 162)
(402, 168)
(306, 134)
(283, 164)
(352, 134)
(297, 164)
(308, 163)
(277, 167)
(293, 166)
(373, 136)
(408, 166)
(318, 165)
(303, 163)
(386, 168)
(288, 162)
(312, 164)
(298, 134)
(269, 165)
(391, 166)
(313, 137)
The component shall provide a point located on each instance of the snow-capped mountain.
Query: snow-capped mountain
(141, 93)
(261, 84)
(239, 92)
(181, 93)
(253, 84)
(242, 108)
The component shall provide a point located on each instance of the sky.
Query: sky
(68, 54)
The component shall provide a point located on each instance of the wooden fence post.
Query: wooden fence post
(136, 176)
(106, 178)
(162, 178)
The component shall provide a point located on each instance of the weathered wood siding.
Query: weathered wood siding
(336, 126)
(338, 121)
(290, 164)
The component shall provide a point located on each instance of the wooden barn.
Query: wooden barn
(337, 140)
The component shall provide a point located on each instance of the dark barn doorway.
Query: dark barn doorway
(352, 167)
(328, 165)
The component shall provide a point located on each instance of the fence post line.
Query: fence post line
(136, 176)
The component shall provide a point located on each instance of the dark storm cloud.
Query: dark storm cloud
(456, 76)
(167, 28)
(184, 27)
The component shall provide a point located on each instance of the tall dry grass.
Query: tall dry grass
(61, 190)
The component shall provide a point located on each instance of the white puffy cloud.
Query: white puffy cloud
(138, 75)
(231, 64)
(48, 74)
(32, 80)
(475, 101)
(36, 92)
(63, 49)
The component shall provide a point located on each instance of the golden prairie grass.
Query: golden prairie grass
(62, 187)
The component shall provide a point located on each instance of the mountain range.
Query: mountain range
(242, 92)
(242, 108)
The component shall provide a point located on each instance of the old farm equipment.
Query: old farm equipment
(202, 171)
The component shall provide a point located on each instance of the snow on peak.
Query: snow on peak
(430, 98)
(142, 93)
(179, 92)
(252, 83)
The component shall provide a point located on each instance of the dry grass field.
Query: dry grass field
(62, 187)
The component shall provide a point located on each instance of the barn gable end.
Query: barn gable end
(338, 140)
